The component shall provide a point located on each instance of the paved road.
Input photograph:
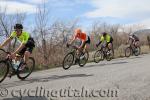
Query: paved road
(119, 79)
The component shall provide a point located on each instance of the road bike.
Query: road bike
(75, 56)
(132, 50)
(8, 66)
(103, 53)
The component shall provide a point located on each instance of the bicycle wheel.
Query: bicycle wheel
(109, 55)
(137, 51)
(4, 69)
(128, 52)
(23, 71)
(98, 56)
(68, 61)
(83, 58)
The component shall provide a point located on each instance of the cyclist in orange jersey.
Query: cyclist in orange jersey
(85, 39)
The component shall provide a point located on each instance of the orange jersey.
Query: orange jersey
(82, 36)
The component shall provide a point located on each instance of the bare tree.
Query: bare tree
(41, 25)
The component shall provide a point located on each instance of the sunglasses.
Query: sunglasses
(18, 30)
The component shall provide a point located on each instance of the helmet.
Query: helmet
(78, 31)
(18, 26)
(104, 33)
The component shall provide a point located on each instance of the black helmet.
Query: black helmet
(104, 33)
(18, 26)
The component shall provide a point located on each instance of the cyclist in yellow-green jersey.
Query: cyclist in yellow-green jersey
(27, 42)
(107, 38)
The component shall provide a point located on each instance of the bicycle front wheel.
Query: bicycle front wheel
(68, 61)
(98, 56)
(109, 55)
(23, 71)
(4, 69)
(128, 52)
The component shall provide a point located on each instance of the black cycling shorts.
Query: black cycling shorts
(29, 46)
(87, 42)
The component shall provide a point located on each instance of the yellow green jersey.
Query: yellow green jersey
(107, 38)
(23, 38)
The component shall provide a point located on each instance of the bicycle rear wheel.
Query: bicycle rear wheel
(137, 51)
(109, 55)
(83, 58)
(4, 69)
(68, 61)
(23, 71)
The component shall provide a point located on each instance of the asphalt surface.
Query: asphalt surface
(119, 79)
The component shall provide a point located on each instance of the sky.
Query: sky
(86, 11)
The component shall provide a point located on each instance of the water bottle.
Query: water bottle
(15, 64)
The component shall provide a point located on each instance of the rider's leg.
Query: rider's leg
(136, 43)
(27, 54)
(87, 43)
(110, 46)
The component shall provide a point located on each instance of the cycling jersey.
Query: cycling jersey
(133, 38)
(26, 39)
(82, 36)
(107, 38)
(23, 38)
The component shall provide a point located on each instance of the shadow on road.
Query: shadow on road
(134, 57)
(42, 79)
(104, 64)
(27, 98)
(56, 77)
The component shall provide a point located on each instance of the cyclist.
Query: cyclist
(26, 46)
(83, 37)
(133, 40)
(106, 38)
(85, 40)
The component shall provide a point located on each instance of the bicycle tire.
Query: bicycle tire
(98, 53)
(71, 54)
(109, 56)
(19, 73)
(139, 51)
(5, 72)
(126, 50)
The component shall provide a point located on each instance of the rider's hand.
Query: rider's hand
(80, 48)
(12, 56)
(96, 45)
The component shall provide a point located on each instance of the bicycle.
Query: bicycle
(74, 57)
(132, 50)
(7, 63)
(103, 53)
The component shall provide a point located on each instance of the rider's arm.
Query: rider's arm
(25, 40)
(98, 43)
(74, 38)
(20, 48)
(83, 42)
(8, 40)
